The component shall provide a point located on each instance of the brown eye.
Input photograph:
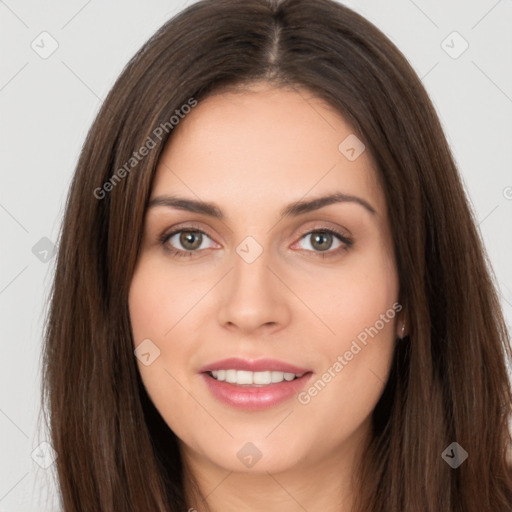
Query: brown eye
(321, 240)
(184, 242)
(190, 240)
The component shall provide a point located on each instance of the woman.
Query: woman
(270, 292)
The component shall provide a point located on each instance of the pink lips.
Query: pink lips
(254, 397)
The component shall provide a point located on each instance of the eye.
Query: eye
(189, 238)
(322, 241)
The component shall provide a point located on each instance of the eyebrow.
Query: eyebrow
(293, 209)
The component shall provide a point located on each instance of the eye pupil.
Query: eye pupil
(187, 237)
(319, 237)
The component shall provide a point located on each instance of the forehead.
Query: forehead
(278, 144)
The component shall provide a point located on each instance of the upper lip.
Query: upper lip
(258, 365)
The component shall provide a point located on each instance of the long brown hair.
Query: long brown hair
(448, 381)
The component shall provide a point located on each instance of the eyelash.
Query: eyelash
(323, 254)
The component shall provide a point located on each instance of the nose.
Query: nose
(254, 297)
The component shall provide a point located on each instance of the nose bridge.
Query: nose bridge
(254, 295)
(251, 273)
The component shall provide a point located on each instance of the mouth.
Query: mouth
(264, 386)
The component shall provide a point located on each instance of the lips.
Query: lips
(254, 396)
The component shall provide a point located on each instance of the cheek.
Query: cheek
(158, 315)
(153, 301)
(152, 315)
(355, 295)
(346, 393)
(360, 311)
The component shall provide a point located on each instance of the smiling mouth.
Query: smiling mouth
(247, 378)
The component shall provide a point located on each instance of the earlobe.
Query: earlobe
(401, 330)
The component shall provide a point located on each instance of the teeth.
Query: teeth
(259, 378)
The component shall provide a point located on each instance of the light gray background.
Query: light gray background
(47, 106)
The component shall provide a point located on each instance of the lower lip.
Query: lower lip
(252, 397)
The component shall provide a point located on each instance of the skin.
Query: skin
(252, 153)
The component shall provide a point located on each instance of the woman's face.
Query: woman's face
(251, 284)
